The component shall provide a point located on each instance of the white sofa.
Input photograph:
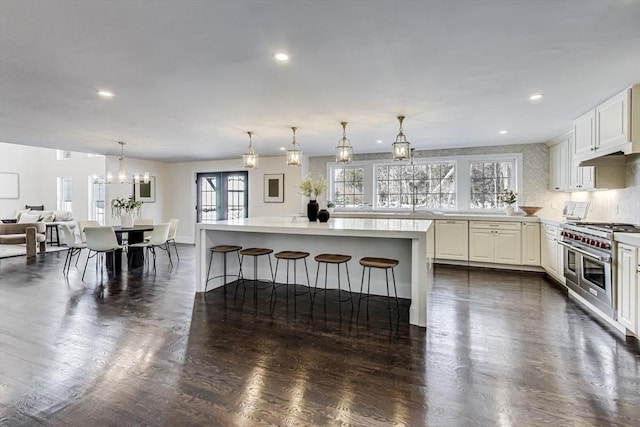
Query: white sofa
(46, 216)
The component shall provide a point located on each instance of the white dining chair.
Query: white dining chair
(171, 240)
(74, 247)
(101, 240)
(144, 221)
(84, 224)
(158, 238)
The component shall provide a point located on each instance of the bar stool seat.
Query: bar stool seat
(385, 264)
(290, 256)
(222, 249)
(336, 259)
(255, 253)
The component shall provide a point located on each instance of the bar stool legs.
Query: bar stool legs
(224, 250)
(385, 264)
(255, 253)
(337, 260)
(290, 256)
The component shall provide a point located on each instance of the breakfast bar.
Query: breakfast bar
(408, 240)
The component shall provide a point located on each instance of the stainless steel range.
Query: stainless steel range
(590, 261)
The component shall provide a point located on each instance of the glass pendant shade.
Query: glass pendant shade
(249, 157)
(122, 171)
(401, 147)
(294, 153)
(344, 151)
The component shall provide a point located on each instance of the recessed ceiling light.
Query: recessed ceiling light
(379, 141)
(106, 94)
(536, 96)
(282, 148)
(281, 56)
(502, 132)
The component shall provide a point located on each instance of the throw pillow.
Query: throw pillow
(20, 212)
(63, 215)
(35, 207)
(48, 218)
(25, 217)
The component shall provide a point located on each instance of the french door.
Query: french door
(222, 195)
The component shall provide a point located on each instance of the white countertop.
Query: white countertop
(438, 216)
(357, 227)
(628, 238)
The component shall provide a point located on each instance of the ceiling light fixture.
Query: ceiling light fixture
(344, 151)
(281, 56)
(536, 96)
(294, 153)
(250, 158)
(122, 170)
(503, 132)
(106, 94)
(401, 147)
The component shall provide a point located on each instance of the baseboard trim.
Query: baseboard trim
(531, 268)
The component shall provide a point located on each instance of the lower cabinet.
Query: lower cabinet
(531, 243)
(551, 255)
(495, 242)
(628, 298)
(452, 240)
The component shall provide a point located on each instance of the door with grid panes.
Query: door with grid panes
(222, 195)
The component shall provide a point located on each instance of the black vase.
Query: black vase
(312, 210)
(323, 215)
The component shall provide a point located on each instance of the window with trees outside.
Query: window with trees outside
(418, 186)
(488, 180)
(348, 187)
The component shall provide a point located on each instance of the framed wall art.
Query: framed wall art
(9, 185)
(146, 193)
(274, 188)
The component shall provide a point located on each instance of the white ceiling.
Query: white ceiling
(191, 77)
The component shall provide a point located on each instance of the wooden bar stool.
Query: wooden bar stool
(255, 253)
(224, 250)
(337, 260)
(383, 263)
(291, 256)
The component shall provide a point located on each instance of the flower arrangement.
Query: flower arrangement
(130, 205)
(308, 187)
(330, 204)
(508, 196)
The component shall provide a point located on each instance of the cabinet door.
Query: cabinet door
(452, 239)
(558, 166)
(481, 245)
(507, 244)
(531, 243)
(627, 287)
(584, 135)
(612, 122)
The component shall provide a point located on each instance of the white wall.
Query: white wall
(39, 169)
(181, 189)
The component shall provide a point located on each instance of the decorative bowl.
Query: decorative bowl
(530, 210)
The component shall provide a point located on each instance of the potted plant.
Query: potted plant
(509, 197)
(126, 209)
(312, 189)
(330, 206)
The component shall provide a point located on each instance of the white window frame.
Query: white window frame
(462, 178)
(61, 202)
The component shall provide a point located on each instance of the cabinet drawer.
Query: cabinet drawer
(488, 225)
(550, 229)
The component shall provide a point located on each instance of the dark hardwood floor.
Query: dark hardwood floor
(501, 348)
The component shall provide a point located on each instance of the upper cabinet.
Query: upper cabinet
(559, 163)
(611, 127)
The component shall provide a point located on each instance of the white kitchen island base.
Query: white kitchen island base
(403, 239)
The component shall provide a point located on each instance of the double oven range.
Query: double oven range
(590, 261)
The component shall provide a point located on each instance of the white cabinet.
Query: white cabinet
(530, 243)
(496, 242)
(551, 255)
(604, 176)
(559, 164)
(628, 287)
(452, 239)
(584, 135)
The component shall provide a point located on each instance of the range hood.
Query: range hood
(614, 159)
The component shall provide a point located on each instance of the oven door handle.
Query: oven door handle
(586, 253)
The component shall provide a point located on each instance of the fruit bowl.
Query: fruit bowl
(530, 210)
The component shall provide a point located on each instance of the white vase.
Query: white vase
(509, 210)
(126, 220)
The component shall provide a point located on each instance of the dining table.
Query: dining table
(135, 256)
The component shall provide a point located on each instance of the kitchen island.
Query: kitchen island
(408, 240)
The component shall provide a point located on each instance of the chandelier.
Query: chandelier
(401, 147)
(122, 170)
(250, 158)
(294, 153)
(344, 151)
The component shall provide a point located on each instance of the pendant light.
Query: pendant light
(122, 170)
(344, 151)
(250, 158)
(401, 147)
(294, 153)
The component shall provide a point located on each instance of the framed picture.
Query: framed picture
(9, 185)
(274, 188)
(146, 193)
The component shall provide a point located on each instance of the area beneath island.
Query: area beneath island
(408, 240)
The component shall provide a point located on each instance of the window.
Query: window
(96, 200)
(348, 187)
(63, 154)
(488, 180)
(438, 183)
(222, 195)
(419, 186)
(65, 194)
